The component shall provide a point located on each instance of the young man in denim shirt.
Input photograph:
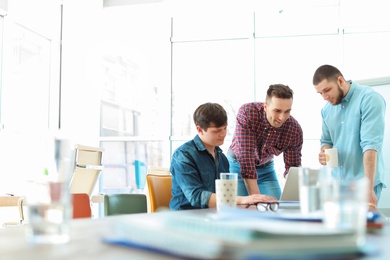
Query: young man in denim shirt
(198, 163)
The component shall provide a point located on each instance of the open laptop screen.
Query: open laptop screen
(291, 187)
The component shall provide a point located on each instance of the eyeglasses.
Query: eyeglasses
(266, 206)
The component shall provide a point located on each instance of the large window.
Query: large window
(1, 58)
(215, 71)
(135, 101)
(26, 108)
(29, 90)
(228, 55)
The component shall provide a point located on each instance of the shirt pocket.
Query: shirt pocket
(207, 175)
(352, 125)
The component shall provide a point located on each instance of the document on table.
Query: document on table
(213, 237)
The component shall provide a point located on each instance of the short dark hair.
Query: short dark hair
(210, 113)
(279, 91)
(328, 72)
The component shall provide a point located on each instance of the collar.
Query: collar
(350, 92)
(200, 146)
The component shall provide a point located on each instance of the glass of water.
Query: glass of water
(309, 190)
(345, 205)
(48, 199)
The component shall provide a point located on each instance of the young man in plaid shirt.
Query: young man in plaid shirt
(264, 130)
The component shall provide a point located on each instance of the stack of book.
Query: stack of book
(238, 234)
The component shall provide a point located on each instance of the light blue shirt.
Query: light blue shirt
(354, 126)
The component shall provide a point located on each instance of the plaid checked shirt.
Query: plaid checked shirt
(256, 142)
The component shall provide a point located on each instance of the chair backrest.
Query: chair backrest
(154, 170)
(21, 214)
(20, 207)
(81, 205)
(159, 170)
(88, 165)
(117, 204)
(159, 189)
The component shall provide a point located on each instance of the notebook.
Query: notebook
(233, 234)
(291, 187)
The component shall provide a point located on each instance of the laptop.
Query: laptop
(291, 188)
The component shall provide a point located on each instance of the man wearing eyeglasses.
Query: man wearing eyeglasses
(353, 121)
(264, 130)
(198, 163)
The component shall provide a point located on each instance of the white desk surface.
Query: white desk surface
(86, 242)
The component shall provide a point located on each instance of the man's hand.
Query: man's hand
(255, 198)
(372, 201)
(322, 156)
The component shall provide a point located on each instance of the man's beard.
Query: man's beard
(339, 98)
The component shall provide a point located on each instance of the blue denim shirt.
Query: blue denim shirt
(194, 171)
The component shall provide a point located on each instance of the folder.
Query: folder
(213, 237)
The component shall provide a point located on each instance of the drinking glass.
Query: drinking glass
(48, 199)
(226, 190)
(345, 205)
(309, 190)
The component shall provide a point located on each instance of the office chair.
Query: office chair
(21, 214)
(88, 166)
(158, 170)
(81, 205)
(154, 170)
(159, 190)
(117, 204)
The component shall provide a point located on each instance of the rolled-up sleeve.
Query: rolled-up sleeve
(187, 178)
(372, 122)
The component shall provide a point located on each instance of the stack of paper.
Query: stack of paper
(216, 237)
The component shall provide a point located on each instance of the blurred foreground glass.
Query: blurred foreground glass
(309, 190)
(345, 205)
(226, 191)
(48, 199)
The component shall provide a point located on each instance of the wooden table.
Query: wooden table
(86, 242)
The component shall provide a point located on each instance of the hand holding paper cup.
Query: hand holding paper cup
(331, 155)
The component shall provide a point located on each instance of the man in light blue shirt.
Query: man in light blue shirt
(198, 163)
(353, 121)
